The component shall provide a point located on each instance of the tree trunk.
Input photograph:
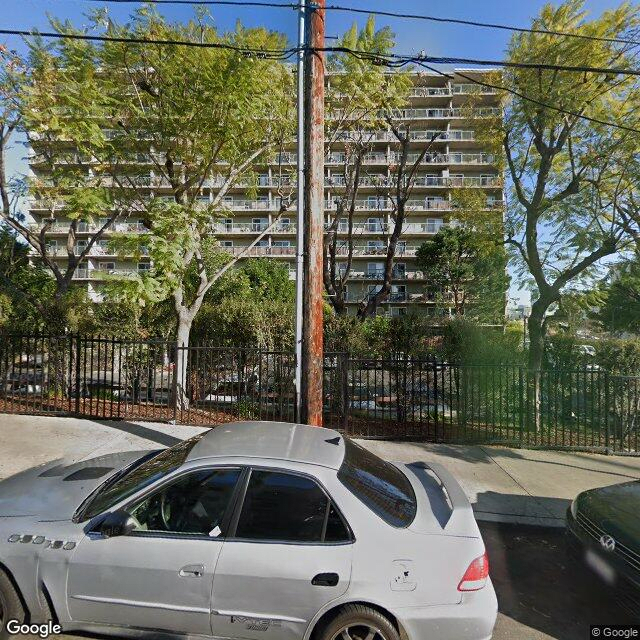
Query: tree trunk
(181, 399)
(537, 334)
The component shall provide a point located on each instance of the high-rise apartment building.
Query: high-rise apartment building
(455, 160)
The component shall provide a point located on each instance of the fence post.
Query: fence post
(344, 388)
(78, 381)
(521, 403)
(607, 441)
(435, 398)
(174, 382)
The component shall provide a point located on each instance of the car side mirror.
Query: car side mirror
(117, 523)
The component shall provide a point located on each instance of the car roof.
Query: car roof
(272, 440)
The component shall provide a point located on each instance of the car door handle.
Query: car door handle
(192, 571)
(325, 580)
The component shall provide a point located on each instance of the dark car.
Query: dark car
(603, 527)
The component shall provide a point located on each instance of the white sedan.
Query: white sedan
(253, 530)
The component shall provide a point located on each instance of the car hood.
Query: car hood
(615, 510)
(54, 491)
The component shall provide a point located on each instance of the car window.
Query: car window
(195, 504)
(136, 477)
(284, 507)
(379, 484)
(336, 530)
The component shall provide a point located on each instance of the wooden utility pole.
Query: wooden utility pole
(312, 329)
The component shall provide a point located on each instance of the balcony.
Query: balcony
(259, 252)
(494, 182)
(431, 227)
(382, 204)
(251, 205)
(429, 92)
(471, 88)
(378, 274)
(387, 136)
(85, 227)
(104, 274)
(240, 227)
(361, 227)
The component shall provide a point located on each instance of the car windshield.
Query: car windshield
(379, 484)
(135, 478)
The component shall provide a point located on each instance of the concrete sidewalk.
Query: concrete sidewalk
(504, 485)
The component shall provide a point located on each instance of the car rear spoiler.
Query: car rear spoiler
(461, 520)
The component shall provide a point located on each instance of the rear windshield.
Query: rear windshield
(134, 478)
(380, 485)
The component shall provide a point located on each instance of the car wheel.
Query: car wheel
(10, 606)
(357, 622)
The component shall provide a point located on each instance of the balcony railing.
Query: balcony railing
(262, 251)
(251, 205)
(240, 227)
(84, 227)
(104, 274)
(429, 134)
(428, 114)
(457, 181)
(427, 92)
(471, 88)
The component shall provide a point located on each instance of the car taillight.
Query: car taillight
(475, 577)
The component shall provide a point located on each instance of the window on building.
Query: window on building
(433, 225)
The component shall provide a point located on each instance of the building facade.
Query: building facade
(455, 160)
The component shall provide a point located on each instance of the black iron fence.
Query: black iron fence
(395, 397)
(428, 399)
(105, 378)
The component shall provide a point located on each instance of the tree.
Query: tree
(620, 309)
(463, 262)
(56, 99)
(251, 306)
(207, 114)
(560, 163)
(360, 93)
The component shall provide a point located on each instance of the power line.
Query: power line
(474, 23)
(233, 3)
(391, 14)
(391, 59)
(399, 60)
(273, 54)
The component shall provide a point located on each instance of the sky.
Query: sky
(412, 36)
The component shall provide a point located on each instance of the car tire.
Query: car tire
(10, 605)
(359, 620)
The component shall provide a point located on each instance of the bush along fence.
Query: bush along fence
(397, 397)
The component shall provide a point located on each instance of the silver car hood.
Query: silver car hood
(55, 490)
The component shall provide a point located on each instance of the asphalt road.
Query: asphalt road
(542, 592)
